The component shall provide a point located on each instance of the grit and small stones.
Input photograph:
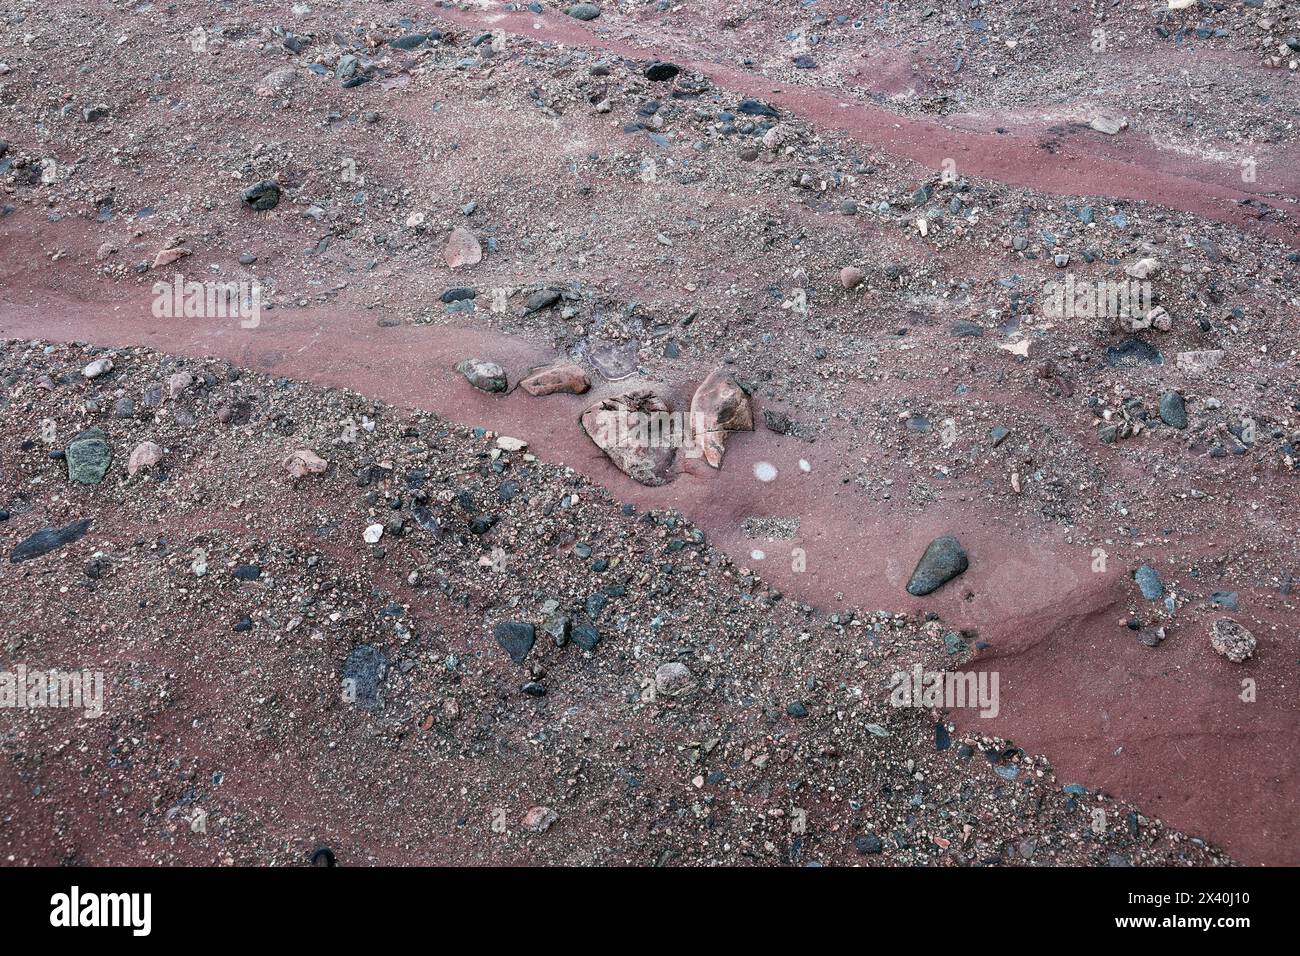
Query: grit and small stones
(402, 690)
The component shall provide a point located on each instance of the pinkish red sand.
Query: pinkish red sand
(1167, 731)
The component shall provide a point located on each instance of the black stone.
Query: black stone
(585, 636)
(48, 539)
(942, 561)
(870, 843)
(262, 196)
(409, 41)
(660, 72)
(516, 638)
(756, 108)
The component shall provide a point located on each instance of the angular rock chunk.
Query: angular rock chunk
(462, 248)
(720, 405)
(516, 638)
(262, 196)
(585, 636)
(637, 433)
(1173, 410)
(302, 462)
(146, 455)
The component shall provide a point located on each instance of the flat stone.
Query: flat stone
(516, 638)
(1149, 583)
(568, 378)
(363, 673)
(1108, 123)
(462, 249)
(540, 819)
(145, 455)
(49, 539)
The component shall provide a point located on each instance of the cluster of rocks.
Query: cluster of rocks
(1228, 638)
(638, 430)
(1132, 417)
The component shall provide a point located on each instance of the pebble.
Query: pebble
(462, 249)
(868, 844)
(1228, 600)
(302, 462)
(1231, 640)
(673, 679)
(943, 560)
(144, 455)
(659, 72)
(1148, 581)
(483, 375)
(516, 638)
(1173, 410)
(541, 299)
(262, 196)
(540, 819)
(585, 636)
(97, 368)
(89, 456)
(567, 378)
